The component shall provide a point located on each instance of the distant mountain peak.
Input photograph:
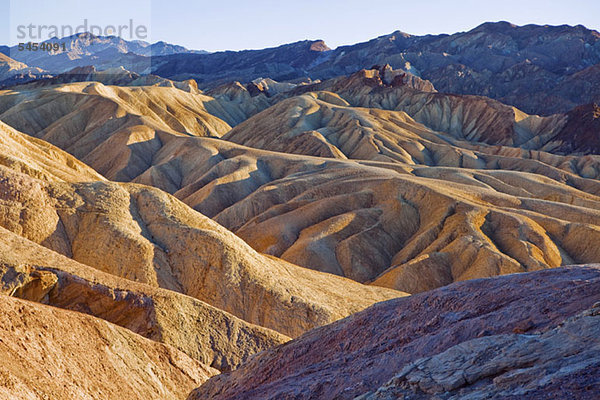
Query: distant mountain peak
(400, 34)
(85, 35)
(495, 26)
(85, 48)
(319, 45)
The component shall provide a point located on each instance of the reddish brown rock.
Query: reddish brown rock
(563, 363)
(581, 133)
(360, 353)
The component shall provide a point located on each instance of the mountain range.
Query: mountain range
(85, 49)
(538, 69)
(412, 217)
(558, 64)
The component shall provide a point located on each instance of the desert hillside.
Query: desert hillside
(301, 222)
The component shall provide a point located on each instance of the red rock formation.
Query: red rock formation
(358, 354)
(581, 133)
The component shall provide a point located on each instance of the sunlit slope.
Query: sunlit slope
(90, 120)
(413, 227)
(53, 353)
(374, 195)
(39, 159)
(205, 333)
(143, 234)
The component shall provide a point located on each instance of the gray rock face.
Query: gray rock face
(561, 363)
(360, 353)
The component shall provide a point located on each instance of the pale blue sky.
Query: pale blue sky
(235, 24)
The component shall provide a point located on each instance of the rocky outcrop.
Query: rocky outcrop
(425, 333)
(581, 133)
(561, 363)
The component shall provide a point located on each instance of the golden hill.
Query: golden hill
(422, 208)
(143, 234)
(116, 130)
(423, 226)
(205, 333)
(41, 160)
(473, 118)
(324, 124)
(90, 119)
(53, 353)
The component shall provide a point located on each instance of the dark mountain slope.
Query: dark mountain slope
(531, 67)
(289, 61)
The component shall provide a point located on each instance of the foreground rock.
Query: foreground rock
(58, 354)
(561, 363)
(359, 354)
